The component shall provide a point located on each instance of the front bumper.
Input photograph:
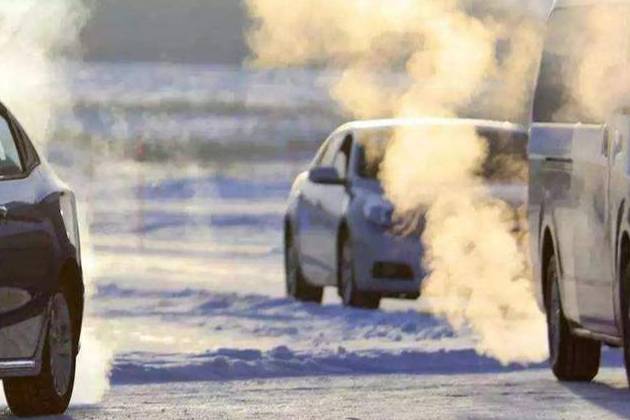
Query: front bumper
(385, 263)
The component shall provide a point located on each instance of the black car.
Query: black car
(41, 282)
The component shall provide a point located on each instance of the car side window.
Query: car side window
(322, 152)
(342, 157)
(329, 156)
(31, 158)
(10, 162)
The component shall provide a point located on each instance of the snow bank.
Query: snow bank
(251, 336)
(231, 364)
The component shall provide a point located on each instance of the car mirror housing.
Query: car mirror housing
(326, 176)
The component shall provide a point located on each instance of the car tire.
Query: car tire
(296, 285)
(48, 393)
(572, 359)
(350, 295)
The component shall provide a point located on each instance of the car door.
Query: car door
(332, 206)
(617, 184)
(310, 218)
(595, 148)
(26, 248)
(552, 201)
(591, 234)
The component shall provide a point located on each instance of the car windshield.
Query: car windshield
(506, 161)
(371, 147)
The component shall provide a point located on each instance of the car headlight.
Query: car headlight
(379, 211)
(68, 209)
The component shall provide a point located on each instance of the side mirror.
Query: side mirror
(325, 176)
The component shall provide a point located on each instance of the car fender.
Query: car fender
(293, 202)
(546, 225)
(568, 291)
(346, 221)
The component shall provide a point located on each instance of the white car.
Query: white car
(339, 230)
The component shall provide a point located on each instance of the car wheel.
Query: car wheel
(49, 392)
(296, 284)
(350, 295)
(572, 358)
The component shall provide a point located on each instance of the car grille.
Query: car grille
(410, 224)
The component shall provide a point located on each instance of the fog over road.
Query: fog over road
(189, 284)
(201, 328)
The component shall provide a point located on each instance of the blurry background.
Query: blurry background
(183, 158)
(172, 75)
(194, 31)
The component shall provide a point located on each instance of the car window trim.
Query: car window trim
(336, 140)
(26, 172)
(25, 142)
(321, 152)
(343, 136)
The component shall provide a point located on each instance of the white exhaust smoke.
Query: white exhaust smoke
(33, 36)
(448, 53)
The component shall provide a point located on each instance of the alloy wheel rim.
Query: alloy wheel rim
(60, 345)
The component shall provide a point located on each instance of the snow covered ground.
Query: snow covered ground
(532, 394)
(190, 287)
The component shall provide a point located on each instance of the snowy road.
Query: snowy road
(189, 295)
(531, 394)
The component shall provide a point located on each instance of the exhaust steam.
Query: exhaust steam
(433, 58)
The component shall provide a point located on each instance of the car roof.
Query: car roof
(558, 4)
(366, 125)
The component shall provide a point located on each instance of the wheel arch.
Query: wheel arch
(548, 250)
(620, 289)
(343, 232)
(619, 233)
(71, 282)
(288, 239)
(620, 259)
(288, 230)
(624, 248)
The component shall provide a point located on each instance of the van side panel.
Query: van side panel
(551, 204)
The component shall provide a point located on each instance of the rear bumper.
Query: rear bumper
(387, 264)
